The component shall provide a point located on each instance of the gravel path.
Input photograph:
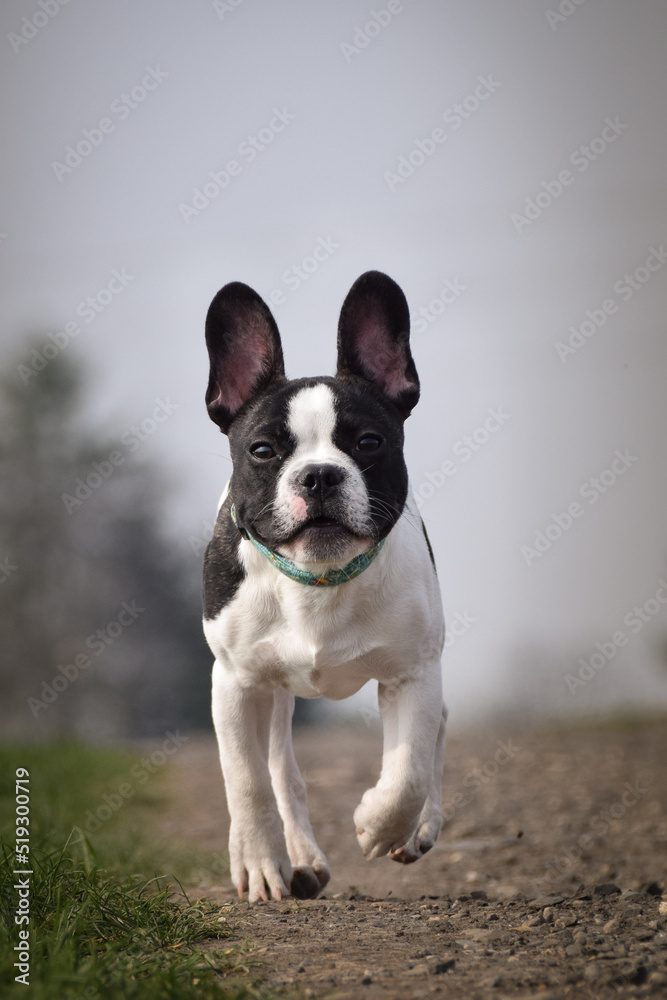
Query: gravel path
(546, 881)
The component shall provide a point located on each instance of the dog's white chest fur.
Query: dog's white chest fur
(330, 641)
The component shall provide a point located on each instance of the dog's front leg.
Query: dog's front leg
(430, 820)
(257, 850)
(389, 815)
(311, 871)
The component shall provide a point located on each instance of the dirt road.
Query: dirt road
(546, 880)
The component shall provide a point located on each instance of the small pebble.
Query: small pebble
(566, 919)
(542, 901)
(444, 966)
(592, 972)
(607, 889)
(652, 888)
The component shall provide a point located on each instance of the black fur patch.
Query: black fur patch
(428, 545)
(223, 572)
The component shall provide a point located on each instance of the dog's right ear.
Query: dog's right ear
(244, 350)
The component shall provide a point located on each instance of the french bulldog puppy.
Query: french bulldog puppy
(319, 577)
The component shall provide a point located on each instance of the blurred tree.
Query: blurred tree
(99, 611)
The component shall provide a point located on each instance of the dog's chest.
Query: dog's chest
(312, 641)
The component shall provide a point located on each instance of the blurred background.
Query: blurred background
(505, 163)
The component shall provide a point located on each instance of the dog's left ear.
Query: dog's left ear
(244, 350)
(374, 339)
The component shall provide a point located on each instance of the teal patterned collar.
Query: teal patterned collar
(331, 579)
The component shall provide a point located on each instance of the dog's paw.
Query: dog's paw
(407, 854)
(307, 882)
(311, 869)
(384, 822)
(423, 839)
(260, 865)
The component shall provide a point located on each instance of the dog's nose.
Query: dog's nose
(320, 480)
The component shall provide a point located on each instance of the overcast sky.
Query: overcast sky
(505, 162)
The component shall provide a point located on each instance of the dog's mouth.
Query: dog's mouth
(323, 539)
(323, 525)
(320, 533)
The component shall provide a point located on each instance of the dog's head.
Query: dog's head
(318, 474)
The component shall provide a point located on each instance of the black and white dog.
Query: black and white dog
(319, 577)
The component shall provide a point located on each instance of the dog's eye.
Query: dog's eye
(262, 450)
(369, 442)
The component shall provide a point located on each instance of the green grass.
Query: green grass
(108, 917)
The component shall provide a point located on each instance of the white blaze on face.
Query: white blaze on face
(312, 423)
